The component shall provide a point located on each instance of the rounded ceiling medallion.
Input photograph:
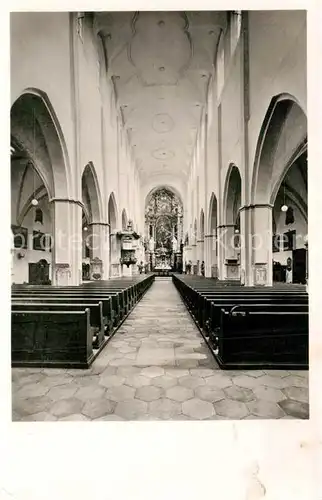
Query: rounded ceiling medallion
(162, 154)
(162, 123)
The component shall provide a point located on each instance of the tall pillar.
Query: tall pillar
(115, 254)
(261, 245)
(221, 236)
(208, 242)
(200, 254)
(210, 254)
(194, 258)
(100, 243)
(246, 267)
(307, 265)
(67, 242)
(226, 249)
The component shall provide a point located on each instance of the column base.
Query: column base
(115, 270)
(62, 275)
(232, 270)
(261, 275)
(127, 271)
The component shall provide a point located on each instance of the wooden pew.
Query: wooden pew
(51, 338)
(202, 306)
(263, 339)
(106, 305)
(109, 317)
(208, 304)
(213, 323)
(96, 314)
(117, 299)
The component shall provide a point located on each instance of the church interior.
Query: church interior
(159, 215)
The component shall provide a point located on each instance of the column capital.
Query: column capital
(224, 226)
(67, 200)
(99, 224)
(256, 205)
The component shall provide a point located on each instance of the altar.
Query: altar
(163, 232)
(162, 270)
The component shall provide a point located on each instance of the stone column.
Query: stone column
(100, 243)
(261, 245)
(194, 258)
(307, 266)
(246, 268)
(200, 253)
(115, 254)
(221, 236)
(210, 254)
(67, 241)
(226, 250)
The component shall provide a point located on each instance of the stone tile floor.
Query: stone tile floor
(158, 367)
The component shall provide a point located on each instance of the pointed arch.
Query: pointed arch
(33, 119)
(281, 140)
(92, 194)
(232, 194)
(212, 215)
(112, 212)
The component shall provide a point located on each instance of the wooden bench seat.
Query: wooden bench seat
(202, 306)
(199, 302)
(96, 314)
(263, 338)
(211, 329)
(111, 311)
(51, 338)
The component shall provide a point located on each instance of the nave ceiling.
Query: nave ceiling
(160, 64)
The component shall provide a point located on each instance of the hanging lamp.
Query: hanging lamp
(34, 201)
(284, 207)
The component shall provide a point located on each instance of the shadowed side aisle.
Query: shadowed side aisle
(158, 367)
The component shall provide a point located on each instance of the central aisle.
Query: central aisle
(157, 367)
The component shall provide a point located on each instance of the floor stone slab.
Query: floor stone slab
(209, 393)
(178, 393)
(265, 409)
(119, 394)
(191, 382)
(148, 393)
(239, 393)
(198, 409)
(66, 407)
(98, 408)
(295, 409)
(231, 409)
(131, 410)
(165, 408)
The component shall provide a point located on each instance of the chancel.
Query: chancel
(159, 215)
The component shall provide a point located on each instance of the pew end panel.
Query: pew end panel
(52, 339)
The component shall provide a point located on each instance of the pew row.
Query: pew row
(107, 304)
(249, 327)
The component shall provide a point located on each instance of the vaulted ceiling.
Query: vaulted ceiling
(160, 64)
